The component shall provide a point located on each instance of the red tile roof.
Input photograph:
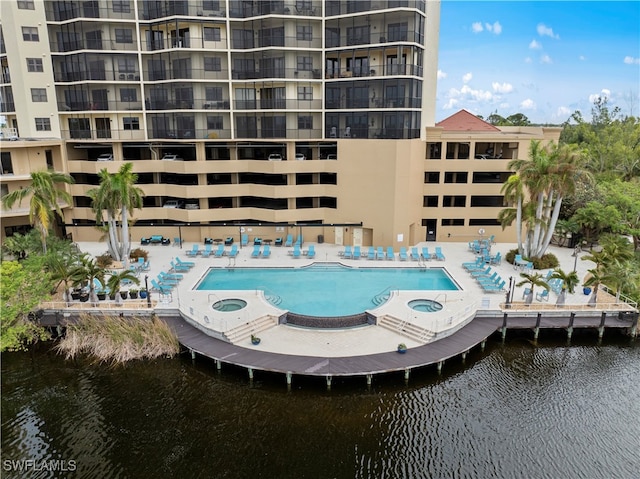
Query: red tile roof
(465, 121)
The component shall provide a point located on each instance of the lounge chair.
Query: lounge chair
(256, 251)
(543, 296)
(164, 289)
(228, 241)
(299, 241)
(170, 276)
(190, 264)
(347, 252)
(497, 259)
(244, 240)
(477, 264)
(167, 281)
(278, 241)
(439, 255)
(289, 242)
(257, 241)
(296, 251)
(414, 254)
(526, 292)
(194, 251)
(371, 253)
(311, 253)
(484, 272)
(379, 253)
(266, 252)
(234, 251)
(356, 252)
(219, 251)
(206, 252)
(488, 279)
(425, 254)
(177, 241)
(496, 288)
(403, 253)
(177, 268)
(390, 254)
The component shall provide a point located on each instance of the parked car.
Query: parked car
(300, 156)
(171, 157)
(275, 157)
(173, 204)
(105, 157)
(191, 206)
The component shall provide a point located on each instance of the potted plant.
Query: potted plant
(143, 294)
(402, 348)
(84, 297)
(117, 279)
(255, 340)
(124, 294)
(75, 294)
(102, 295)
(133, 293)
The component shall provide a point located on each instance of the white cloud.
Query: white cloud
(528, 60)
(631, 61)
(563, 112)
(441, 75)
(504, 106)
(545, 59)
(451, 104)
(494, 27)
(534, 45)
(543, 31)
(528, 104)
(466, 78)
(605, 93)
(466, 92)
(502, 87)
(476, 27)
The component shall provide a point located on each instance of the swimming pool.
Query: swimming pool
(327, 290)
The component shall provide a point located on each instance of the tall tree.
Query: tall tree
(44, 197)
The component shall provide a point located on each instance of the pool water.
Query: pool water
(322, 290)
(229, 305)
(425, 305)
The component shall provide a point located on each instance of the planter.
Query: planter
(75, 295)
(102, 296)
(586, 291)
(143, 295)
(402, 348)
(84, 298)
(255, 340)
(112, 296)
(133, 295)
(124, 294)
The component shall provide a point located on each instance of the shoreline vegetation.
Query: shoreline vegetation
(118, 339)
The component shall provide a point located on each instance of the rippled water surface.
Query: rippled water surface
(515, 410)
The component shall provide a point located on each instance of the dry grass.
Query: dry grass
(116, 339)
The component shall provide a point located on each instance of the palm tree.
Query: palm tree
(117, 195)
(513, 191)
(596, 276)
(569, 282)
(62, 269)
(44, 199)
(532, 279)
(86, 271)
(115, 281)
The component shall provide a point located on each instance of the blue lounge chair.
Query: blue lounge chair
(244, 240)
(425, 254)
(164, 289)
(414, 254)
(296, 251)
(496, 288)
(439, 255)
(266, 252)
(390, 254)
(234, 251)
(403, 253)
(228, 241)
(299, 241)
(347, 252)
(206, 252)
(177, 241)
(526, 292)
(256, 251)
(478, 264)
(195, 250)
(219, 251)
(497, 259)
(371, 253)
(175, 267)
(356, 252)
(379, 253)
(167, 282)
(289, 242)
(484, 272)
(543, 296)
(311, 253)
(278, 241)
(493, 279)
(257, 241)
(189, 264)
(170, 276)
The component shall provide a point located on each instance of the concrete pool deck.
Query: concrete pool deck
(459, 306)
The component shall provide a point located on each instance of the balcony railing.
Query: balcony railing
(375, 71)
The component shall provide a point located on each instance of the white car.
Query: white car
(173, 204)
(300, 156)
(105, 157)
(275, 157)
(171, 157)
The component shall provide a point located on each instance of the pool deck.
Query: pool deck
(364, 350)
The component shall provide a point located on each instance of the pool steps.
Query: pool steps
(405, 328)
(243, 332)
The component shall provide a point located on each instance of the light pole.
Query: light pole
(146, 287)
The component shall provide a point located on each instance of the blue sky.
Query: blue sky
(545, 59)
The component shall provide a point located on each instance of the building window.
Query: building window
(4, 191)
(39, 94)
(452, 222)
(6, 167)
(126, 65)
(432, 177)
(212, 34)
(430, 201)
(26, 5)
(43, 124)
(213, 93)
(214, 122)
(454, 201)
(122, 6)
(397, 32)
(128, 94)
(212, 64)
(305, 122)
(490, 176)
(483, 222)
(305, 93)
(488, 200)
(211, 5)
(434, 150)
(456, 177)
(305, 64)
(131, 123)
(34, 65)
(30, 34)
(124, 35)
(304, 32)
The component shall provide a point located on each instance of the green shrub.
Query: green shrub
(547, 261)
(139, 253)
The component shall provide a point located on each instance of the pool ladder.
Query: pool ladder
(383, 295)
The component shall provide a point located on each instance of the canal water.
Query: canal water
(513, 410)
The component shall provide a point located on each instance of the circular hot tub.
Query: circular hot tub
(229, 305)
(425, 305)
